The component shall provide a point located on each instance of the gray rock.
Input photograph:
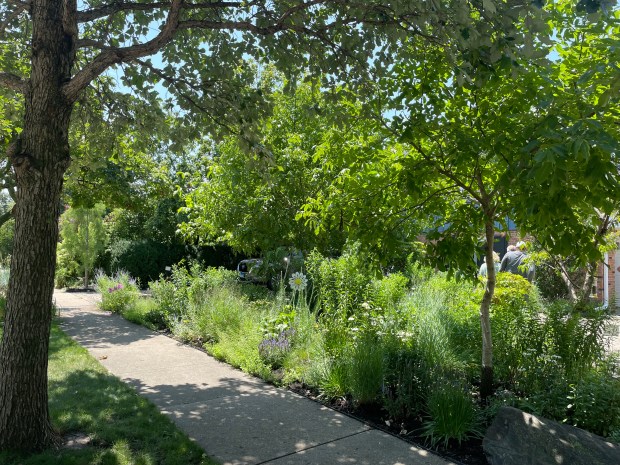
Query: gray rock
(519, 438)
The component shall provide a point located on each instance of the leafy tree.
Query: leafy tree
(471, 150)
(452, 170)
(201, 47)
(574, 175)
(83, 235)
(251, 200)
(122, 149)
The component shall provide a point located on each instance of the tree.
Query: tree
(202, 47)
(471, 150)
(574, 177)
(83, 236)
(451, 167)
(251, 200)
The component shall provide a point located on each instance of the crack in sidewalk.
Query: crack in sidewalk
(313, 447)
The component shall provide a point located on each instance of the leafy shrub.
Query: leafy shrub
(453, 415)
(143, 259)
(67, 268)
(516, 324)
(118, 292)
(388, 291)
(595, 403)
(543, 384)
(575, 336)
(272, 326)
(203, 281)
(147, 313)
(170, 295)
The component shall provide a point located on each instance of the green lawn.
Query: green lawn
(125, 428)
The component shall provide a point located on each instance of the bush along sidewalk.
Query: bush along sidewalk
(118, 292)
(405, 346)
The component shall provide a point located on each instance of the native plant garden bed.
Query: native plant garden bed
(401, 352)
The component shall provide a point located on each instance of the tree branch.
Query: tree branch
(117, 7)
(119, 55)
(175, 83)
(284, 22)
(12, 82)
(19, 8)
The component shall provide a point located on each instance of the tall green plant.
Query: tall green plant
(342, 284)
(83, 235)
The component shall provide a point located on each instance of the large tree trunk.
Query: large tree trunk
(486, 375)
(40, 157)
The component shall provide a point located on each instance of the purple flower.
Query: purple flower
(273, 350)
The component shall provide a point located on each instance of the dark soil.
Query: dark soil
(467, 452)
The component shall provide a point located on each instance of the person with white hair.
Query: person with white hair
(513, 262)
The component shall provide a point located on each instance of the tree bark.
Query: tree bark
(87, 248)
(486, 375)
(39, 158)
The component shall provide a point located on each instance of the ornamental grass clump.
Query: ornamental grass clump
(453, 415)
(118, 292)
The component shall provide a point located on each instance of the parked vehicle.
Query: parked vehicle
(277, 265)
(251, 271)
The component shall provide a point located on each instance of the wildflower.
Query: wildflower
(298, 281)
(273, 350)
(366, 306)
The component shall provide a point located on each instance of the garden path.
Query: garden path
(236, 418)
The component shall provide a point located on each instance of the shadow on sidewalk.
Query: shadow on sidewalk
(97, 329)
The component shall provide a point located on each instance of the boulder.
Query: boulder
(519, 438)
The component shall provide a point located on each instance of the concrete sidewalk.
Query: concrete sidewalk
(236, 418)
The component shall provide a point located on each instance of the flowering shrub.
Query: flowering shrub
(118, 292)
(274, 350)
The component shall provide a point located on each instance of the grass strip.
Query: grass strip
(124, 428)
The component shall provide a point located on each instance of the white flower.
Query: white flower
(298, 281)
